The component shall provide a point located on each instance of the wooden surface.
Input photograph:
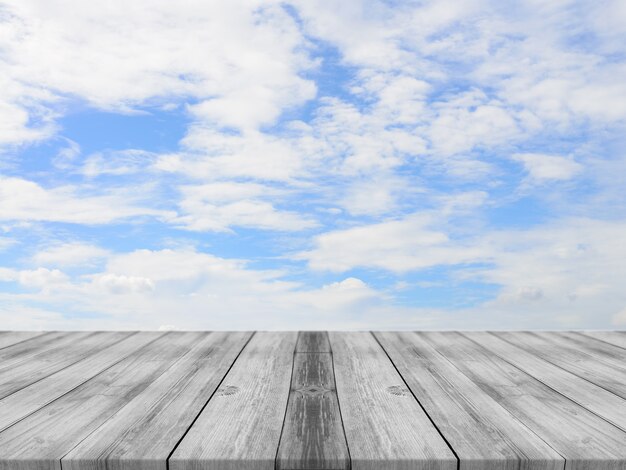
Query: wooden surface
(313, 400)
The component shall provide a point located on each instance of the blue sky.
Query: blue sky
(300, 165)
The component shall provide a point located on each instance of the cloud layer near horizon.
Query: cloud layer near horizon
(290, 165)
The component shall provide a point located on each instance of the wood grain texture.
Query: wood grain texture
(35, 396)
(20, 371)
(241, 425)
(313, 341)
(142, 435)
(40, 440)
(312, 436)
(552, 349)
(616, 338)
(585, 440)
(9, 338)
(610, 354)
(385, 426)
(594, 398)
(482, 433)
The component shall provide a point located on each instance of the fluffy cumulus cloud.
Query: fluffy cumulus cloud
(348, 164)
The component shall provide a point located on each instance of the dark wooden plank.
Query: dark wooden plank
(35, 364)
(585, 440)
(385, 426)
(482, 433)
(616, 338)
(312, 436)
(143, 433)
(40, 440)
(313, 341)
(241, 425)
(575, 360)
(35, 396)
(9, 338)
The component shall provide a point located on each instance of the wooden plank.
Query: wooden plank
(24, 369)
(594, 398)
(616, 338)
(607, 353)
(35, 396)
(313, 341)
(9, 338)
(572, 359)
(143, 433)
(40, 440)
(312, 436)
(241, 425)
(585, 440)
(385, 426)
(482, 433)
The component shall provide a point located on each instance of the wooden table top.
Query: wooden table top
(312, 400)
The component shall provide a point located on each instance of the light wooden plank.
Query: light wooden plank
(241, 425)
(385, 426)
(69, 348)
(9, 338)
(40, 440)
(585, 440)
(35, 396)
(581, 363)
(143, 433)
(616, 338)
(313, 436)
(482, 433)
(607, 353)
(594, 398)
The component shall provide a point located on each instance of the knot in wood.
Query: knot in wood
(313, 390)
(226, 390)
(398, 390)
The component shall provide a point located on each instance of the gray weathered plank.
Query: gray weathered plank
(34, 365)
(241, 425)
(9, 338)
(313, 341)
(40, 440)
(385, 426)
(143, 433)
(609, 354)
(616, 338)
(551, 349)
(596, 399)
(36, 395)
(583, 438)
(482, 433)
(312, 436)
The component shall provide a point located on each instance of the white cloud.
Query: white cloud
(69, 254)
(192, 290)
(398, 246)
(619, 319)
(240, 61)
(40, 278)
(120, 284)
(21, 199)
(542, 167)
(218, 206)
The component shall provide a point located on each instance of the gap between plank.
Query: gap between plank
(27, 339)
(293, 364)
(332, 362)
(551, 388)
(69, 365)
(458, 460)
(80, 384)
(167, 460)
